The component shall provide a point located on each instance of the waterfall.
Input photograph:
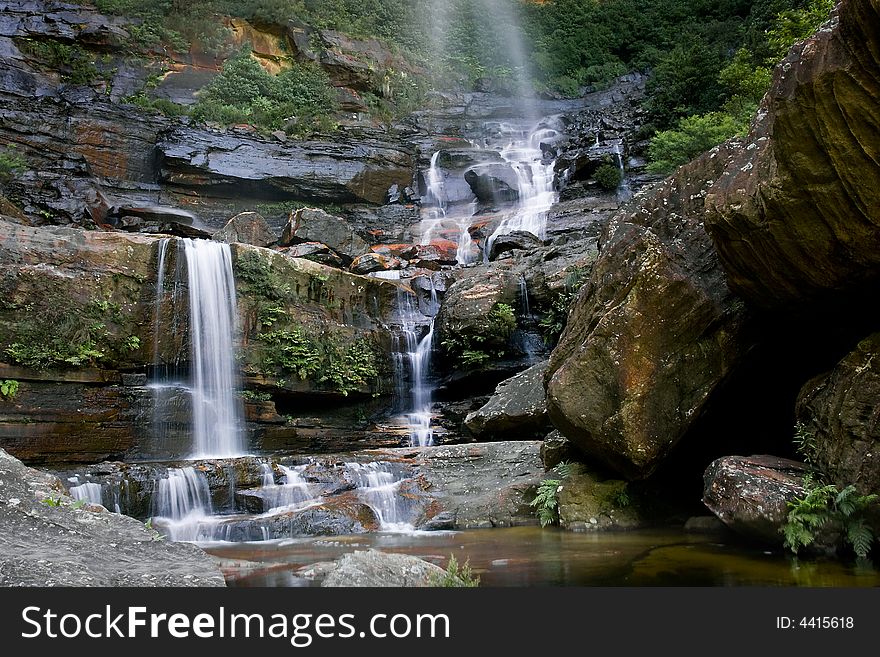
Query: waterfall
(525, 310)
(378, 488)
(204, 268)
(89, 492)
(435, 182)
(182, 504)
(216, 406)
(624, 192)
(535, 176)
(294, 492)
(412, 359)
(441, 222)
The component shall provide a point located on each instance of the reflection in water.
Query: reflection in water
(528, 556)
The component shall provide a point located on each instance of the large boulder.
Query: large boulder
(313, 225)
(840, 411)
(589, 502)
(373, 568)
(247, 228)
(493, 183)
(751, 494)
(655, 330)
(796, 217)
(47, 540)
(480, 486)
(517, 409)
(518, 240)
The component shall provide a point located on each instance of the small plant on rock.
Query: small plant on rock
(546, 501)
(8, 388)
(455, 576)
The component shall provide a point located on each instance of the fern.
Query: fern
(823, 505)
(860, 536)
(546, 504)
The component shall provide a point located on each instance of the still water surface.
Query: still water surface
(529, 556)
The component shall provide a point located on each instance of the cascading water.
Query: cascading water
(294, 492)
(624, 191)
(378, 488)
(535, 177)
(412, 358)
(216, 410)
(182, 503)
(441, 221)
(89, 492)
(213, 318)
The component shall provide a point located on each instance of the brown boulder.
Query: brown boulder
(796, 217)
(654, 332)
(841, 413)
(751, 494)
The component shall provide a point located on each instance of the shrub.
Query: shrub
(297, 100)
(76, 65)
(475, 346)
(8, 388)
(609, 177)
(693, 136)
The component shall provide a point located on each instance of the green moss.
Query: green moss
(11, 163)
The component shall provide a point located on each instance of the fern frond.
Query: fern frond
(860, 536)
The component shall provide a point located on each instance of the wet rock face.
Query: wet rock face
(654, 332)
(751, 494)
(841, 415)
(481, 486)
(796, 217)
(517, 409)
(345, 171)
(55, 544)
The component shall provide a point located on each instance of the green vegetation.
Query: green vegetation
(554, 320)
(608, 176)
(805, 443)
(700, 99)
(479, 343)
(160, 105)
(693, 135)
(8, 388)
(826, 509)
(11, 163)
(316, 357)
(51, 501)
(298, 100)
(289, 348)
(546, 501)
(455, 576)
(76, 65)
(253, 395)
(63, 332)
